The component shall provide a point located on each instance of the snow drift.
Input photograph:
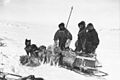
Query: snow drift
(14, 36)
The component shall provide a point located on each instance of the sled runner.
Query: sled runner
(30, 77)
(5, 73)
(4, 76)
(96, 73)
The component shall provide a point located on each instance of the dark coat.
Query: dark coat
(92, 37)
(81, 40)
(92, 40)
(62, 36)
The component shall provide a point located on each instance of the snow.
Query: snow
(38, 20)
(14, 36)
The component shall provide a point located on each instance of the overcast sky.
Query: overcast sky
(102, 13)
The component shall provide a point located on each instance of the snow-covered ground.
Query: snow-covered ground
(38, 20)
(14, 34)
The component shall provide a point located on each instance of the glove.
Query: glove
(67, 44)
(56, 43)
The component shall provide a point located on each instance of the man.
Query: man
(80, 43)
(62, 37)
(92, 39)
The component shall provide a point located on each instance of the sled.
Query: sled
(82, 65)
(30, 77)
(5, 73)
(9, 76)
(96, 72)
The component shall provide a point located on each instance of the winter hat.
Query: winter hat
(61, 26)
(90, 26)
(81, 23)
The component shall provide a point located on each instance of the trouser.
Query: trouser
(89, 48)
(60, 59)
(79, 47)
(62, 45)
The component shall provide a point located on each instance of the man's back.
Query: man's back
(92, 37)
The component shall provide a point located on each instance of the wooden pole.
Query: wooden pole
(69, 16)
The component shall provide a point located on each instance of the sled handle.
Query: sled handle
(69, 16)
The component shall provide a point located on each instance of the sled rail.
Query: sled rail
(5, 73)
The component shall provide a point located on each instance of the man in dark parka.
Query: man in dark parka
(92, 39)
(62, 37)
(80, 43)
